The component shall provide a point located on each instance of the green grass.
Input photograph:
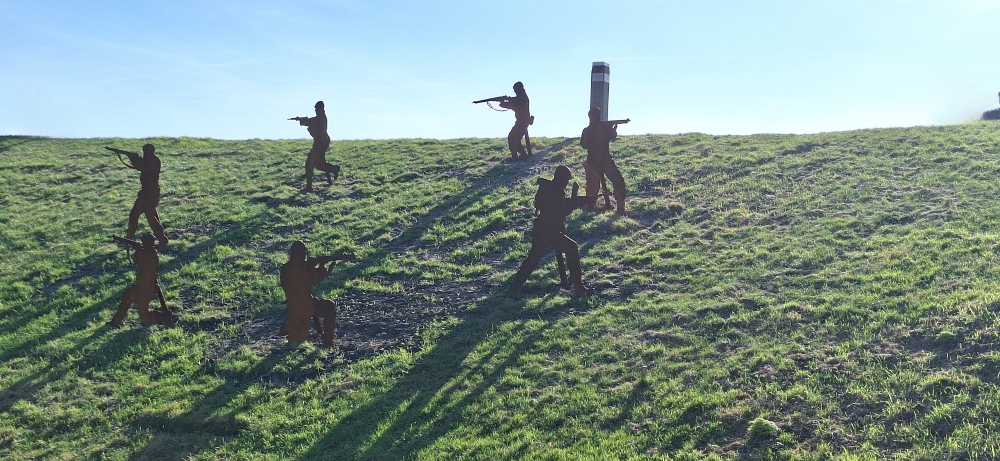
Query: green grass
(828, 296)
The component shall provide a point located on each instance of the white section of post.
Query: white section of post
(600, 85)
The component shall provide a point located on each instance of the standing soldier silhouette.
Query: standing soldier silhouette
(321, 142)
(298, 277)
(522, 118)
(549, 231)
(146, 288)
(596, 139)
(149, 191)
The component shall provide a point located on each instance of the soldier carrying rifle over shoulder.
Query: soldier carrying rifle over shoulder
(522, 118)
(321, 142)
(549, 230)
(596, 139)
(149, 191)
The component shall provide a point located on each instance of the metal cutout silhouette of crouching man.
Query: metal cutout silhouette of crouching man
(596, 139)
(317, 127)
(148, 199)
(298, 277)
(146, 288)
(549, 231)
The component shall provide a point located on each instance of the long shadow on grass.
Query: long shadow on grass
(77, 320)
(202, 422)
(376, 431)
(24, 140)
(504, 173)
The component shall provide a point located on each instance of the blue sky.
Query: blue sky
(386, 69)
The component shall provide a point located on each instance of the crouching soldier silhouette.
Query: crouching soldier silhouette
(298, 276)
(321, 142)
(549, 231)
(146, 288)
(149, 191)
(596, 139)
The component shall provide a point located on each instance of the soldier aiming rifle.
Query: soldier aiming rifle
(298, 277)
(317, 127)
(148, 165)
(522, 118)
(146, 286)
(549, 231)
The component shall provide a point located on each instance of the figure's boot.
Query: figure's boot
(336, 172)
(515, 287)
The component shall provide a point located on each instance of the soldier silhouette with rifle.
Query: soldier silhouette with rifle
(596, 139)
(522, 118)
(146, 287)
(148, 165)
(298, 277)
(317, 127)
(549, 231)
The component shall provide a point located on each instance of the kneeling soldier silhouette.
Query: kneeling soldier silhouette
(298, 276)
(145, 288)
(549, 230)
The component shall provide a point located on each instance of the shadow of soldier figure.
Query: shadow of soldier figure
(146, 288)
(298, 277)
(549, 231)
(596, 139)
(148, 166)
(317, 127)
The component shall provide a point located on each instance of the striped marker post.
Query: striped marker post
(600, 84)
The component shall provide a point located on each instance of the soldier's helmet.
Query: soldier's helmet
(147, 239)
(298, 251)
(562, 173)
(320, 105)
(518, 86)
(595, 113)
(148, 149)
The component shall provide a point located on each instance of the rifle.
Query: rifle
(579, 201)
(561, 262)
(299, 119)
(618, 122)
(504, 98)
(129, 244)
(321, 260)
(604, 190)
(122, 152)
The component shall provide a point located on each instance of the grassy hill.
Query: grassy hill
(767, 297)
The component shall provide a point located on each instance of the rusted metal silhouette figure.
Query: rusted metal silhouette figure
(522, 118)
(321, 142)
(298, 276)
(146, 288)
(596, 139)
(149, 191)
(549, 231)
